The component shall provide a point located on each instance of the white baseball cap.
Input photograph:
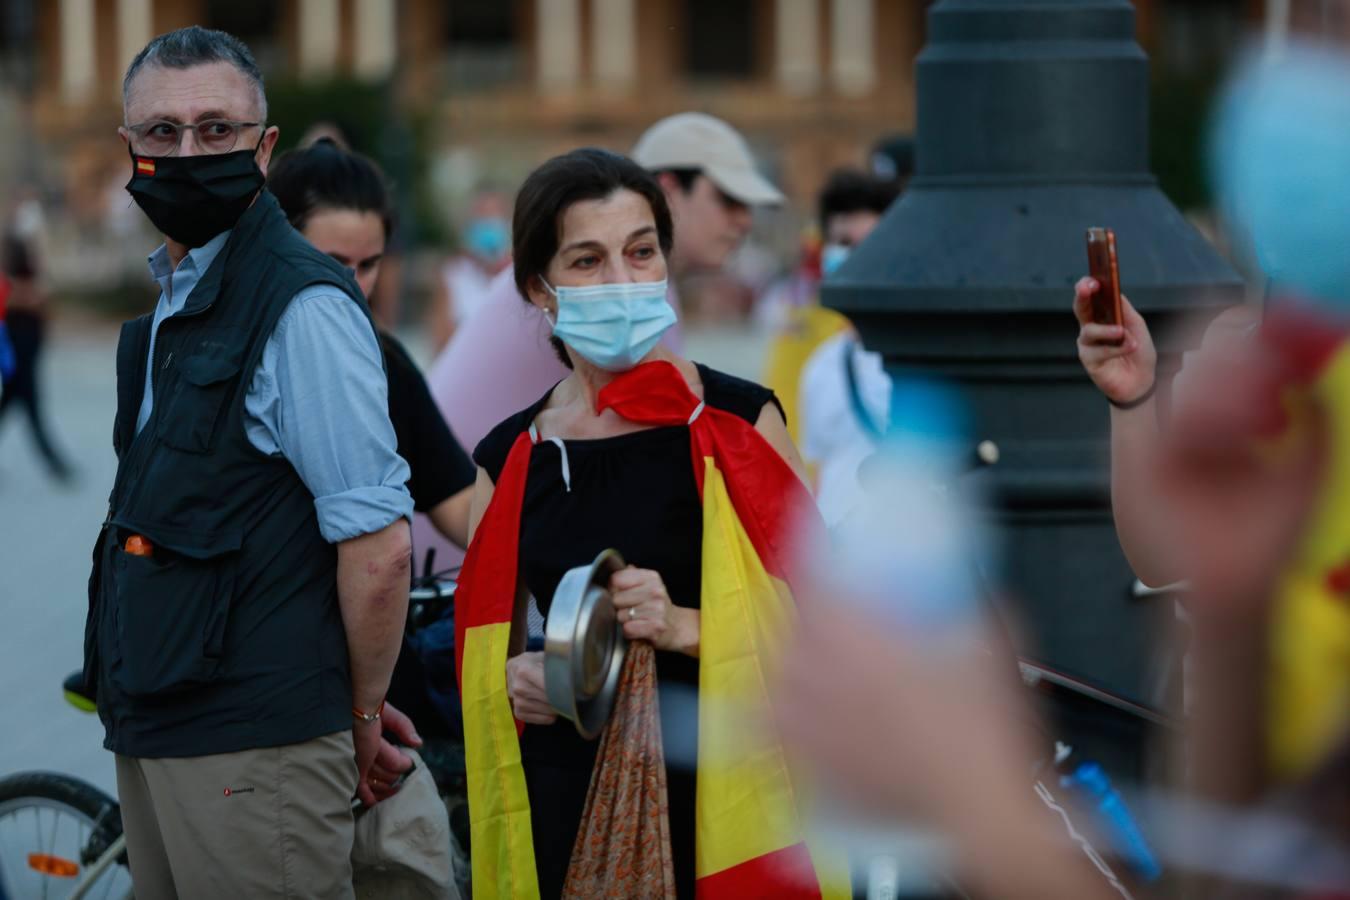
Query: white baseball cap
(693, 140)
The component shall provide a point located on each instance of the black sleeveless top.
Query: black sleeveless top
(635, 493)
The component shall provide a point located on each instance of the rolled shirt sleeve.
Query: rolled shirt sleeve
(320, 399)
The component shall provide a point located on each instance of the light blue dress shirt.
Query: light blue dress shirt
(319, 398)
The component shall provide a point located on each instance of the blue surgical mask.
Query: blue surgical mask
(1281, 159)
(612, 325)
(488, 239)
(832, 256)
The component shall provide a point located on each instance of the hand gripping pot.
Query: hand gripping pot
(584, 646)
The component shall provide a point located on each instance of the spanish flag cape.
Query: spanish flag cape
(1308, 699)
(750, 838)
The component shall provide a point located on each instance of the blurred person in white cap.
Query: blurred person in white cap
(711, 184)
(710, 181)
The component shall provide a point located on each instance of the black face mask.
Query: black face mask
(191, 199)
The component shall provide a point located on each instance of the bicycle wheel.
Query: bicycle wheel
(53, 828)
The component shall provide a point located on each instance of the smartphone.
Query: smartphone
(1101, 250)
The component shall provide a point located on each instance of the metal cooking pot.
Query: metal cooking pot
(584, 646)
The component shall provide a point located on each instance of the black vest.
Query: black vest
(229, 637)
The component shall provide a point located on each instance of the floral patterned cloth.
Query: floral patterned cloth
(623, 847)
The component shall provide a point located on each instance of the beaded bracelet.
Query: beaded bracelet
(368, 717)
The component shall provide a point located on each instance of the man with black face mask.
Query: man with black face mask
(250, 580)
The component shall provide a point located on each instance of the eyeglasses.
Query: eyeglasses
(160, 137)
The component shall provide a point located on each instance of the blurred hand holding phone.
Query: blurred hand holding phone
(1114, 344)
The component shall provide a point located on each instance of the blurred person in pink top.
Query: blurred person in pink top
(500, 361)
(466, 278)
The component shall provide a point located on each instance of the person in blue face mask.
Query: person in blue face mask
(851, 204)
(592, 236)
(841, 390)
(465, 281)
(848, 208)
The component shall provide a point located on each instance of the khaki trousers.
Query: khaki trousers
(269, 823)
(402, 849)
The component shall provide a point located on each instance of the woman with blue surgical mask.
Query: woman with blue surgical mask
(591, 237)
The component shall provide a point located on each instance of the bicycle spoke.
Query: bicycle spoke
(46, 882)
(50, 847)
(37, 828)
(37, 841)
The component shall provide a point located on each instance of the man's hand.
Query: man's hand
(1120, 359)
(391, 763)
(366, 739)
(525, 686)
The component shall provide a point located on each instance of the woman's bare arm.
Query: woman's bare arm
(774, 430)
(482, 496)
(451, 516)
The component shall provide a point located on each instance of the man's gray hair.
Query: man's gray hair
(197, 46)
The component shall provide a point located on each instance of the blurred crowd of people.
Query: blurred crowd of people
(272, 471)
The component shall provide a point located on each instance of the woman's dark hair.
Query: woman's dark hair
(852, 190)
(585, 174)
(325, 176)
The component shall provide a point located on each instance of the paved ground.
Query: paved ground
(46, 534)
(47, 531)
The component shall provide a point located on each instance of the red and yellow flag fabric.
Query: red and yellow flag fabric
(751, 834)
(1308, 705)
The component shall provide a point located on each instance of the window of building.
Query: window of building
(720, 39)
(18, 29)
(483, 46)
(255, 22)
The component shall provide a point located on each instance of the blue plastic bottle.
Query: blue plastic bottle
(1114, 819)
